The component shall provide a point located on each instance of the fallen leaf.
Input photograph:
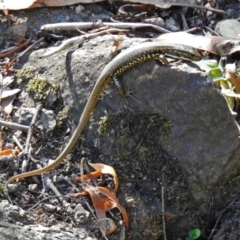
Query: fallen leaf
(7, 95)
(216, 45)
(7, 92)
(26, 4)
(6, 104)
(101, 204)
(106, 169)
(103, 200)
(9, 151)
(112, 196)
(89, 176)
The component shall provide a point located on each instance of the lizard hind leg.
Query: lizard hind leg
(123, 92)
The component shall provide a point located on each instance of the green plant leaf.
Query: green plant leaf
(207, 65)
(194, 233)
(215, 73)
(189, 238)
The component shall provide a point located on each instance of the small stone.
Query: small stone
(12, 188)
(81, 215)
(47, 120)
(33, 187)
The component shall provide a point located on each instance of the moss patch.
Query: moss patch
(25, 74)
(41, 89)
(129, 127)
(62, 116)
(2, 191)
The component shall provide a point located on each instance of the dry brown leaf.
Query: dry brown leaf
(89, 176)
(101, 204)
(106, 169)
(26, 4)
(103, 200)
(216, 45)
(9, 151)
(112, 195)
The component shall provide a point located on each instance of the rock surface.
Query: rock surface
(21, 226)
(203, 140)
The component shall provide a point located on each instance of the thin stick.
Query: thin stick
(27, 50)
(55, 190)
(14, 126)
(7, 54)
(30, 132)
(58, 27)
(163, 215)
(15, 139)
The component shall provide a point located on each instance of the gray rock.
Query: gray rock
(38, 232)
(202, 142)
(81, 215)
(46, 122)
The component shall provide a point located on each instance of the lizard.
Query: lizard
(125, 60)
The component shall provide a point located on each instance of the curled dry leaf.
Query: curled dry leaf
(106, 169)
(9, 151)
(216, 45)
(111, 195)
(101, 204)
(89, 176)
(103, 200)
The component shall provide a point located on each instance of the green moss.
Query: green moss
(103, 125)
(62, 115)
(135, 131)
(25, 74)
(166, 128)
(41, 89)
(2, 191)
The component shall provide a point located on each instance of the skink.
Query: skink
(125, 60)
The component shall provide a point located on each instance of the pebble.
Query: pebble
(228, 28)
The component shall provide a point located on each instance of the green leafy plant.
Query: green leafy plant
(194, 234)
(226, 86)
